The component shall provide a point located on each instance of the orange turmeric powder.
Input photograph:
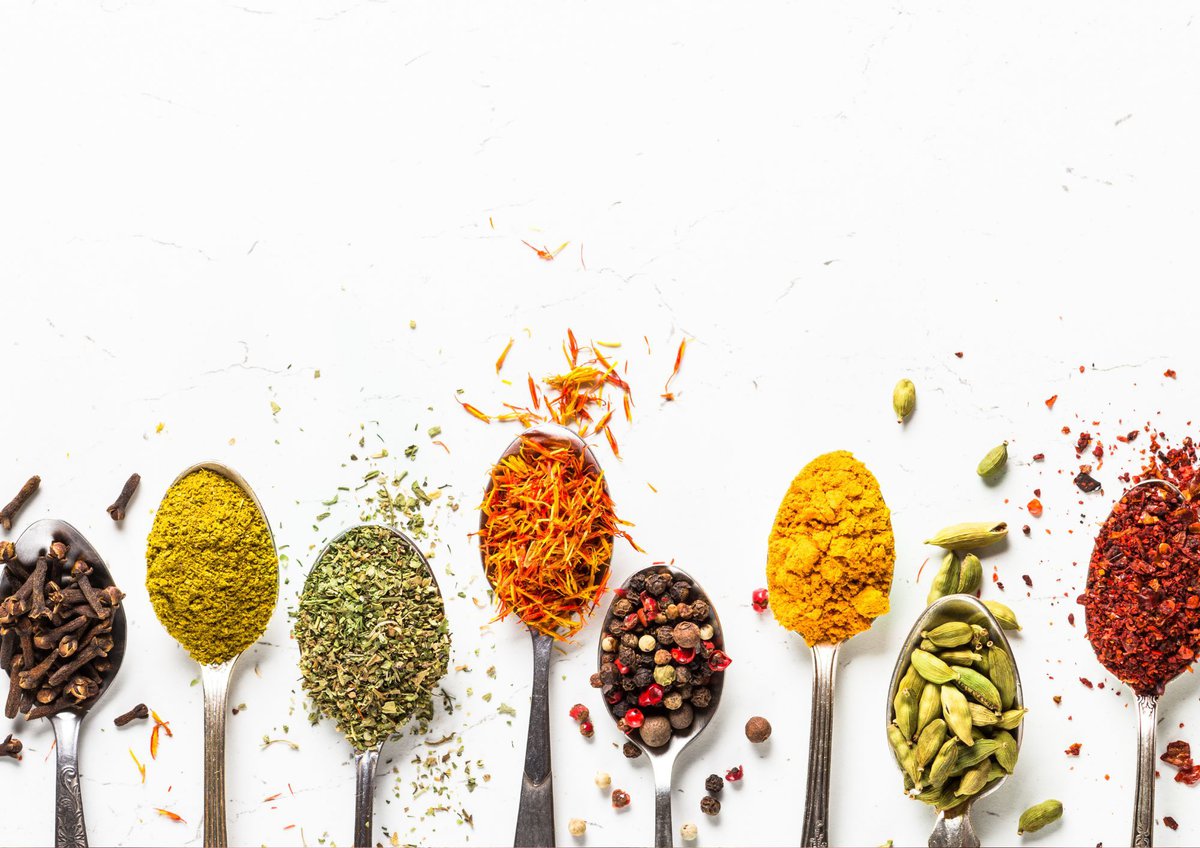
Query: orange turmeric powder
(831, 552)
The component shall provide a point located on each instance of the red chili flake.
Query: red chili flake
(759, 600)
(1170, 374)
(1086, 482)
(959, 354)
(1035, 508)
(634, 718)
(1058, 699)
(1028, 580)
(999, 585)
(652, 697)
(1133, 434)
(1087, 683)
(683, 656)
(1188, 776)
(735, 774)
(1178, 754)
(1071, 619)
(1082, 443)
(1039, 457)
(1141, 575)
(1171, 823)
(1050, 401)
(719, 661)
(649, 604)
(1073, 749)
(579, 712)
(621, 667)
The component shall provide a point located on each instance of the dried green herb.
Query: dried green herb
(373, 636)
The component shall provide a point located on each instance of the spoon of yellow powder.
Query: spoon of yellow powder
(213, 576)
(829, 570)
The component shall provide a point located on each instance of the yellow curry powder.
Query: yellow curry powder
(831, 552)
(211, 567)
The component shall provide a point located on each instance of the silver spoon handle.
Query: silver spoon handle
(1143, 796)
(820, 743)
(214, 679)
(364, 797)
(954, 831)
(69, 830)
(535, 815)
(663, 829)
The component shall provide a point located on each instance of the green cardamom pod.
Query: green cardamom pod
(994, 461)
(926, 645)
(930, 795)
(1039, 815)
(977, 687)
(960, 657)
(945, 582)
(931, 668)
(983, 638)
(981, 716)
(949, 635)
(904, 399)
(904, 754)
(971, 534)
(1004, 616)
(930, 742)
(929, 706)
(970, 575)
(950, 804)
(970, 757)
(957, 714)
(974, 780)
(1006, 750)
(1011, 719)
(905, 708)
(943, 763)
(1003, 673)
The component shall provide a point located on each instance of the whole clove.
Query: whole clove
(11, 747)
(14, 506)
(140, 711)
(117, 510)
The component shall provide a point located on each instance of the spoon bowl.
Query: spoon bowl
(535, 813)
(956, 829)
(69, 827)
(662, 758)
(366, 762)
(214, 681)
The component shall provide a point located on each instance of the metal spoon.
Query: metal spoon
(365, 762)
(955, 830)
(535, 814)
(662, 759)
(69, 829)
(1143, 795)
(214, 681)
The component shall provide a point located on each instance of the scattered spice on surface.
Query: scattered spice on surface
(11, 747)
(117, 511)
(760, 600)
(1170, 374)
(19, 500)
(734, 774)
(373, 635)
(1170, 822)
(710, 806)
(547, 536)
(577, 827)
(758, 730)
(1035, 508)
(138, 712)
(1073, 749)
(211, 568)
(904, 399)
(831, 551)
(1050, 401)
(714, 783)
(620, 798)
(667, 394)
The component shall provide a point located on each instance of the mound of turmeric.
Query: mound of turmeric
(831, 552)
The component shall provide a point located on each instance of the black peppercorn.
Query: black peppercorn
(681, 591)
(627, 683)
(616, 627)
(609, 674)
(681, 719)
(607, 658)
(709, 805)
(631, 751)
(627, 656)
(618, 709)
(596, 681)
(700, 610)
(643, 677)
(664, 636)
(682, 675)
(685, 610)
(701, 697)
(637, 584)
(629, 640)
(622, 607)
(657, 583)
(714, 784)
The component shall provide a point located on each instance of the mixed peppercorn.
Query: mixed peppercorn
(659, 654)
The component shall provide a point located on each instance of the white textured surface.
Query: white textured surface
(204, 202)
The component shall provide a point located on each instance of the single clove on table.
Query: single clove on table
(138, 712)
(11, 747)
(117, 511)
(55, 633)
(14, 506)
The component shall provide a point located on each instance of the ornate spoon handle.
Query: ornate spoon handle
(69, 829)
(1143, 796)
(820, 742)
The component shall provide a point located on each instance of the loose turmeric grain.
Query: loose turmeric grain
(211, 568)
(831, 552)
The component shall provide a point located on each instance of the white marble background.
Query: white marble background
(204, 202)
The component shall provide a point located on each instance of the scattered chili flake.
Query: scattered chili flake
(141, 768)
(547, 536)
(1171, 823)
(168, 814)
(1071, 619)
(1028, 580)
(1087, 683)
(1086, 482)
(1170, 374)
(1050, 401)
(959, 354)
(504, 355)
(1178, 754)
(1035, 508)
(1189, 776)
(734, 774)
(1039, 457)
(1073, 749)
(1140, 578)
(759, 599)
(1058, 699)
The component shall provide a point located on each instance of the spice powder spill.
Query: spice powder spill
(547, 536)
(831, 551)
(211, 568)
(373, 636)
(1143, 590)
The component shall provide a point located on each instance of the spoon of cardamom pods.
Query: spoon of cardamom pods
(374, 643)
(954, 714)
